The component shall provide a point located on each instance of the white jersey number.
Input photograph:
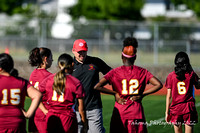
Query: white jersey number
(14, 96)
(55, 97)
(181, 88)
(133, 85)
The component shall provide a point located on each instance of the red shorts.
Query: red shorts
(40, 121)
(31, 125)
(189, 118)
(119, 125)
(61, 123)
(12, 130)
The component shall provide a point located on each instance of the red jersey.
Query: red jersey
(129, 81)
(13, 91)
(182, 92)
(62, 103)
(36, 78)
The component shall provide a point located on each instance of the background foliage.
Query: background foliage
(112, 10)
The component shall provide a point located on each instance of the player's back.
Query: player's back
(36, 77)
(129, 81)
(63, 103)
(12, 95)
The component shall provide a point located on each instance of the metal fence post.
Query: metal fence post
(188, 47)
(155, 44)
(43, 36)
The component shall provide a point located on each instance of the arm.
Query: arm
(35, 95)
(41, 105)
(100, 86)
(43, 108)
(82, 112)
(197, 85)
(157, 85)
(168, 102)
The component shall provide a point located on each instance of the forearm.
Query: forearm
(82, 111)
(33, 107)
(153, 89)
(168, 99)
(105, 90)
(36, 96)
(43, 108)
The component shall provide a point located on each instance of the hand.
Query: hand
(119, 99)
(45, 111)
(85, 127)
(136, 98)
(167, 118)
(25, 113)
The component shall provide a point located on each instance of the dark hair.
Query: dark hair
(130, 41)
(182, 65)
(7, 64)
(65, 61)
(36, 55)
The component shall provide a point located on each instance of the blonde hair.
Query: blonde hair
(65, 62)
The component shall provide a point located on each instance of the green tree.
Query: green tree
(108, 10)
(11, 7)
(191, 4)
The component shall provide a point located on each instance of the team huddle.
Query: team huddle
(69, 101)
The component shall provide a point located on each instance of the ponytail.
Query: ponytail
(14, 72)
(59, 81)
(36, 55)
(65, 62)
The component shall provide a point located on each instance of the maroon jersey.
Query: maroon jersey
(39, 118)
(182, 92)
(36, 78)
(12, 95)
(129, 81)
(62, 103)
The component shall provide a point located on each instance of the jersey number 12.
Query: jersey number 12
(132, 89)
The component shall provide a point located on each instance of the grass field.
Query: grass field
(154, 108)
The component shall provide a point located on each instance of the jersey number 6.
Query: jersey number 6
(181, 88)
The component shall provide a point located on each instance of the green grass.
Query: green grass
(154, 108)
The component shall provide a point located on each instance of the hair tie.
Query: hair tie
(128, 56)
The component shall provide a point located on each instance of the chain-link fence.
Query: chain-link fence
(158, 42)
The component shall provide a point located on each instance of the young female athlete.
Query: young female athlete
(128, 84)
(63, 89)
(42, 59)
(180, 102)
(13, 91)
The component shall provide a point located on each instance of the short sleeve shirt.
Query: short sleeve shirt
(12, 95)
(62, 103)
(129, 81)
(182, 92)
(88, 74)
(36, 78)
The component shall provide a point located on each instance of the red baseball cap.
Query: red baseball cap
(80, 45)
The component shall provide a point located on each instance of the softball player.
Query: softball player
(42, 59)
(63, 89)
(179, 83)
(13, 91)
(128, 83)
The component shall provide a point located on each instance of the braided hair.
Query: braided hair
(65, 62)
(182, 65)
